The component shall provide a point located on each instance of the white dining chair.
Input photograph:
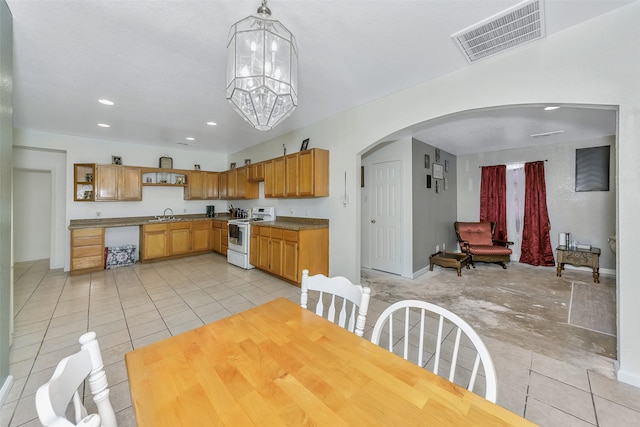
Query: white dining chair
(54, 397)
(433, 337)
(352, 318)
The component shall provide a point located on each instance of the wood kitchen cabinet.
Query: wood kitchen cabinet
(195, 186)
(290, 249)
(238, 186)
(303, 174)
(223, 183)
(201, 185)
(211, 185)
(255, 172)
(268, 251)
(154, 242)
(201, 235)
(275, 179)
(175, 239)
(87, 250)
(118, 183)
(84, 182)
(179, 238)
(220, 236)
(313, 173)
(285, 253)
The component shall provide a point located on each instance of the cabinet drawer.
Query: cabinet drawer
(154, 227)
(88, 232)
(86, 241)
(265, 231)
(180, 225)
(88, 262)
(87, 237)
(276, 233)
(202, 223)
(216, 224)
(291, 236)
(87, 251)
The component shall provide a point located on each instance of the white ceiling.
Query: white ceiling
(163, 64)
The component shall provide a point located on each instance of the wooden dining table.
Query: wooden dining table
(278, 364)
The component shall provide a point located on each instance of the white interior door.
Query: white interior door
(385, 222)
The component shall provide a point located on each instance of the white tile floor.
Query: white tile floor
(132, 306)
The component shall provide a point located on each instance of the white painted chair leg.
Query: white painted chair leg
(98, 380)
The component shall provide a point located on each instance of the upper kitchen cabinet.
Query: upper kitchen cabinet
(238, 186)
(303, 174)
(118, 183)
(255, 172)
(84, 182)
(211, 184)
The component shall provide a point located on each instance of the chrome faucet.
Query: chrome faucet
(164, 214)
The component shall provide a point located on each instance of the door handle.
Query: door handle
(373, 221)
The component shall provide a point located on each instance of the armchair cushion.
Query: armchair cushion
(489, 250)
(476, 233)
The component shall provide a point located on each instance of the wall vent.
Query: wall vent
(513, 27)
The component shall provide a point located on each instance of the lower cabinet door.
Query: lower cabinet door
(154, 244)
(290, 261)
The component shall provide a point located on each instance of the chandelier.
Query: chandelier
(262, 70)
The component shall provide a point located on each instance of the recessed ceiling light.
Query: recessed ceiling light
(104, 125)
(549, 108)
(190, 138)
(212, 123)
(105, 101)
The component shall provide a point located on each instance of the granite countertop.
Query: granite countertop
(295, 223)
(284, 222)
(137, 220)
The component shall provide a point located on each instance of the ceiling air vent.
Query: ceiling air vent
(511, 28)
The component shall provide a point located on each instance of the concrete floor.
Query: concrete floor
(549, 371)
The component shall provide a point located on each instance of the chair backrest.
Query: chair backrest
(476, 233)
(437, 340)
(352, 319)
(53, 398)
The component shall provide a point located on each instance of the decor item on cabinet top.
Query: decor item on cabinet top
(260, 49)
(196, 167)
(232, 165)
(116, 160)
(305, 145)
(166, 162)
(247, 161)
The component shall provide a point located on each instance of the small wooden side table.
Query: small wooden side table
(579, 257)
(450, 259)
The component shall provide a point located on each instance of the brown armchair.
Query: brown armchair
(476, 239)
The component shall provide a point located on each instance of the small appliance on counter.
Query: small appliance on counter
(211, 211)
(239, 232)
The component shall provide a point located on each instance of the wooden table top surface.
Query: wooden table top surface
(280, 365)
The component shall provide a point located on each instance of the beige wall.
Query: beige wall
(587, 64)
(589, 216)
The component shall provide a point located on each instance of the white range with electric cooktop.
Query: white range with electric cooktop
(240, 232)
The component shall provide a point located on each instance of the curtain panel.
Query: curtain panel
(536, 242)
(493, 198)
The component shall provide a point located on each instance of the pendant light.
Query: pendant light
(262, 70)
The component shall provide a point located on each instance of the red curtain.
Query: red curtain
(536, 243)
(493, 198)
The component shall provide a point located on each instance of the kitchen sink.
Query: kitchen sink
(166, 219)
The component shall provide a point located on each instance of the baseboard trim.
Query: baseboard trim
(420, 272)
(4, 391)
(628, 378)
(603, 271)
